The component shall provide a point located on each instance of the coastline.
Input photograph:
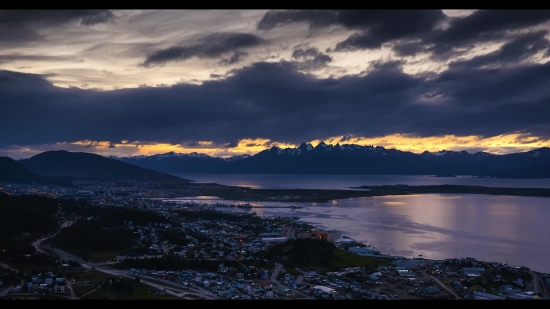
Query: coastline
(247, 194)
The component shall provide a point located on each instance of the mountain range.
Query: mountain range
(350, 159)
(55, 166)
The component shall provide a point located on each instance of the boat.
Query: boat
(296, 207)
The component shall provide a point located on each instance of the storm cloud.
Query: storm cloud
(374, 27)
(211, 46)
(276, 101)
(310, 58)
(412, 31)
(275, 76)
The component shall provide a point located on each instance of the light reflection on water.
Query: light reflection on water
(503, 228)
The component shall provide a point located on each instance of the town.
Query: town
(156, 249)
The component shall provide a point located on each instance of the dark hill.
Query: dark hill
(11, 171)
(90, 166)
(321, 255)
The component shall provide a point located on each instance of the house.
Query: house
(473, 271)
(457, 284)
(59, 289)
(48, 281)
(519, 282)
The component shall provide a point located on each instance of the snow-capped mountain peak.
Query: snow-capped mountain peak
(237, 157)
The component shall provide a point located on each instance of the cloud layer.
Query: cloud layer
(282, 76)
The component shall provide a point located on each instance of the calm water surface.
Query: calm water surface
(508, 229)
(342, 182)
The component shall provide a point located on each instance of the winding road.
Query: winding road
(153, 282)
(443, 286)
(276, 273)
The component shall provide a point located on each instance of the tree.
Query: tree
(128, 287)
(137, 279)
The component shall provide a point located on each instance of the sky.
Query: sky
(230, 82)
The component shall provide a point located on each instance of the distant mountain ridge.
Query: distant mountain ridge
(355, 160)
(81, 165)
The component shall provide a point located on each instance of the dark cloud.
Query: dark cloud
(480, 27)
(381, 26)
(236, 57)
(211, 46)
(489, 24)
(21, 26)
(520, 48)
(310, 58)
(345, 138)
(375, 27)
(413, 31)
(408, 49)
(278, 102)
(315, 18)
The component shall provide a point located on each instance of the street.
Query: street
(276, 272)
(65, 255)
(5, 291)
(443, 286)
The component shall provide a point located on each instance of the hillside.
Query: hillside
(93, 167)
(313, 254)
(24, 219)
(11, 171)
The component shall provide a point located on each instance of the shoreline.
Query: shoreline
(247, 194)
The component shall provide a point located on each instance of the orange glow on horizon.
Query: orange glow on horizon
(501, 144)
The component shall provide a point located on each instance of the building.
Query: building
(331, 235)
(60, 289)
(361, 250)
(473, 271)
(275, 240)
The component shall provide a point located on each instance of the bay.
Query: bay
(506, 229)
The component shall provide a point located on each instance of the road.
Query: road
(187, 290)
(538, 285)
(535, 284)
(5, 291)
(276, 272)
(66, 255)
(444, 286)
(69, 286)
(8, 267)
(37, 243)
